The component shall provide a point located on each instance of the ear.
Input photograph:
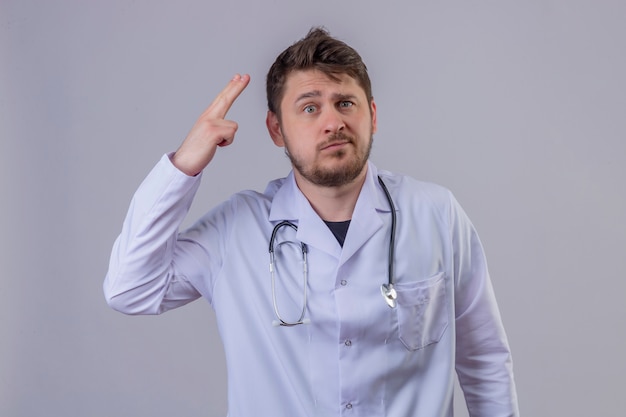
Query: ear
(273, 127)
(373, 111)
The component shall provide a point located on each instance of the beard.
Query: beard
(342, 173)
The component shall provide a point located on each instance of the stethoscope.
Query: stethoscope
(387, 289)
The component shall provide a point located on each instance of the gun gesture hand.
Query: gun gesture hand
(210, 130)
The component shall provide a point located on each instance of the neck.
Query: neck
(333, 204)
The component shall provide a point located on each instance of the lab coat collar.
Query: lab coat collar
(290, 204)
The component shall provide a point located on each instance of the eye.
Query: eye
(310, 109)
(345, 104)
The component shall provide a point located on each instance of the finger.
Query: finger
(227, 134)
(225, 142)
(226, 98)
(210, 132)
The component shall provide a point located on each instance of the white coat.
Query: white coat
(357, 357)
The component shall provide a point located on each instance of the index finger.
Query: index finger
(226, 98)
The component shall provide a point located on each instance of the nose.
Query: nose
(333, 121)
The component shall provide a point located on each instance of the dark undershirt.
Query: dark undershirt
(339, 229)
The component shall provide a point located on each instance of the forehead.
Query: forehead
(309, 81)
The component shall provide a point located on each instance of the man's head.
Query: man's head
(321, 110)
(316, 51)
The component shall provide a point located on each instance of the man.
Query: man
(341, 324)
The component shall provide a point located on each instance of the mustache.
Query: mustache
(337, 137)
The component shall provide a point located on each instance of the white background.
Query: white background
(519, 107)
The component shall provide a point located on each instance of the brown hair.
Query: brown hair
(317, 50)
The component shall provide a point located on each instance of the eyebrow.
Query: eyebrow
(317, 93)
(309, 94)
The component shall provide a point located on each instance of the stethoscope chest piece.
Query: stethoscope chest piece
(389, 294)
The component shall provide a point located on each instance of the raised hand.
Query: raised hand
(210, 130)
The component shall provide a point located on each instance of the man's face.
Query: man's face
(326, 127)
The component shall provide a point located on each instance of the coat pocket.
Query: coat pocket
(422, 311)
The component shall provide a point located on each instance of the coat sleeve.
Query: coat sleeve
(483, 357)
(144, 275)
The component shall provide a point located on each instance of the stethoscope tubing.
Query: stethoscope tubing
(392, 238)
(387, 290)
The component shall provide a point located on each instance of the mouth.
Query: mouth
(336, 141)
(334, 145)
